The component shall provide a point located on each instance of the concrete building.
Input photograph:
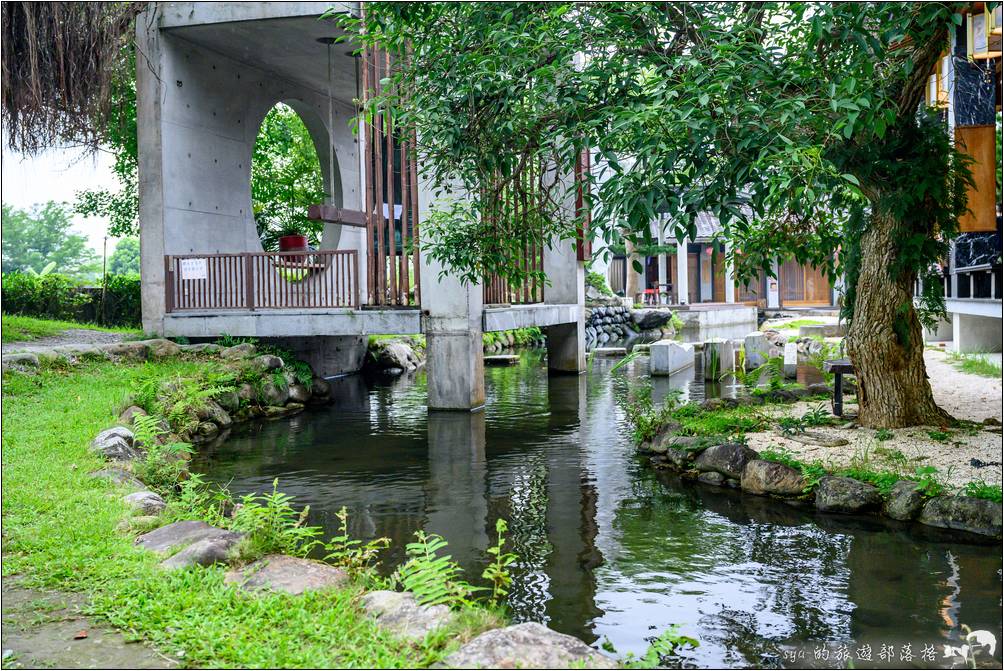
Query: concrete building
(966, 86)
(696, 272)
(207, 74)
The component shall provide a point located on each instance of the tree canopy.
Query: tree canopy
(41, 236)
(800, 125)
(125, 259)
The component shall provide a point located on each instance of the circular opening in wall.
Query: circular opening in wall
(286, 179)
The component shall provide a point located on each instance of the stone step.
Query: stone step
(502, 360)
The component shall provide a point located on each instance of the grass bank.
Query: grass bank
(61, 532)
(16, 328)
(975, 363)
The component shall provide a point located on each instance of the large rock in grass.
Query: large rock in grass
(145, 503)
(131, 351)
(298, 393)
(119, 476)
(161, 348)
(20, 361)
(241, 351)
(529, 645)
(729, 459)
(206, 552)
(904, 501)
(292, 575)
(963, 513)
(274, 393)
(116, 444)
(167, 539)
(846, 495)
(769, 477)
(400, 614)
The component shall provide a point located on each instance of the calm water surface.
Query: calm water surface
(609, 549)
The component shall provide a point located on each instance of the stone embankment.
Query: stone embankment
(189, 543)
(612, 323)
(735, 465)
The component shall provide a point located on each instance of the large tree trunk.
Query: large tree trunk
(893, 390)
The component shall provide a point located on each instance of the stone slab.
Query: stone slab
(718, 354)
(669, 356)
(757, 350)
(171, 537)
(282, 573)
(502, 360)
(790, 359)
(823, 330)
(609, 351)
(402, 615)
(529, 645)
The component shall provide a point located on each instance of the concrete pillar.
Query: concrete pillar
(634, 282)
(566, 343)
(682, 283)
(453, 345)
(774, 287)
(730, 282)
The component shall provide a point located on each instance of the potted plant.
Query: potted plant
(291, 237)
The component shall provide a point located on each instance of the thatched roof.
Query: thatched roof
(59, 62)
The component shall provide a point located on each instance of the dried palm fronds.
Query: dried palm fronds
(59, 60)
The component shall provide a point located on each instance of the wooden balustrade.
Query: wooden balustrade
(265, 280)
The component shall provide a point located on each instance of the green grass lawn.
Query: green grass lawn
(974, 364)
(16, 328)
(795, 324)
(59, 527)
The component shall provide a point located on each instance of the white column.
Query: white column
(682, 285)
(660, 238)
(774, 287)
(730, 283)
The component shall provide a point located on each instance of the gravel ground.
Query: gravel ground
(965, 396)
(67, 337)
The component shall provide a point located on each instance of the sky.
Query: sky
(57, 174)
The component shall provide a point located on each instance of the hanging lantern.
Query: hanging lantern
(983, 33)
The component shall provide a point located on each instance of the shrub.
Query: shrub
(598, 282)
(47, 296)
(54, 296)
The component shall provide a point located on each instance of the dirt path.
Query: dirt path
(46, 629)
(67, 337)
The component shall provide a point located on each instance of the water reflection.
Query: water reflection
(608, 548)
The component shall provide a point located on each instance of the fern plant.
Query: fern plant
(497, 571)
(434, 579)
(164, 465)
(273, 525)
(351, 553)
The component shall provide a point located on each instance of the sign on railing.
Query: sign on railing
(249, 281)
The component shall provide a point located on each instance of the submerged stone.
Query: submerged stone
(529, 645)
(729, 459)
(846, 495)
(904, 501)
(769, 477)
(963, 513)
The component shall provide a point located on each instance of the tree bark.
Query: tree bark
(893, 388)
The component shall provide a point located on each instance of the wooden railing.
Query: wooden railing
(266, 280)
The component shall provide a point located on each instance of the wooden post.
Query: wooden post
(168, 285)
(247, 260)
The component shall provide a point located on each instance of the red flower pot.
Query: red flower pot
(293, 243)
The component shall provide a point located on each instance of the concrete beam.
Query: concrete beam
(278, 323)
(525, 316)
